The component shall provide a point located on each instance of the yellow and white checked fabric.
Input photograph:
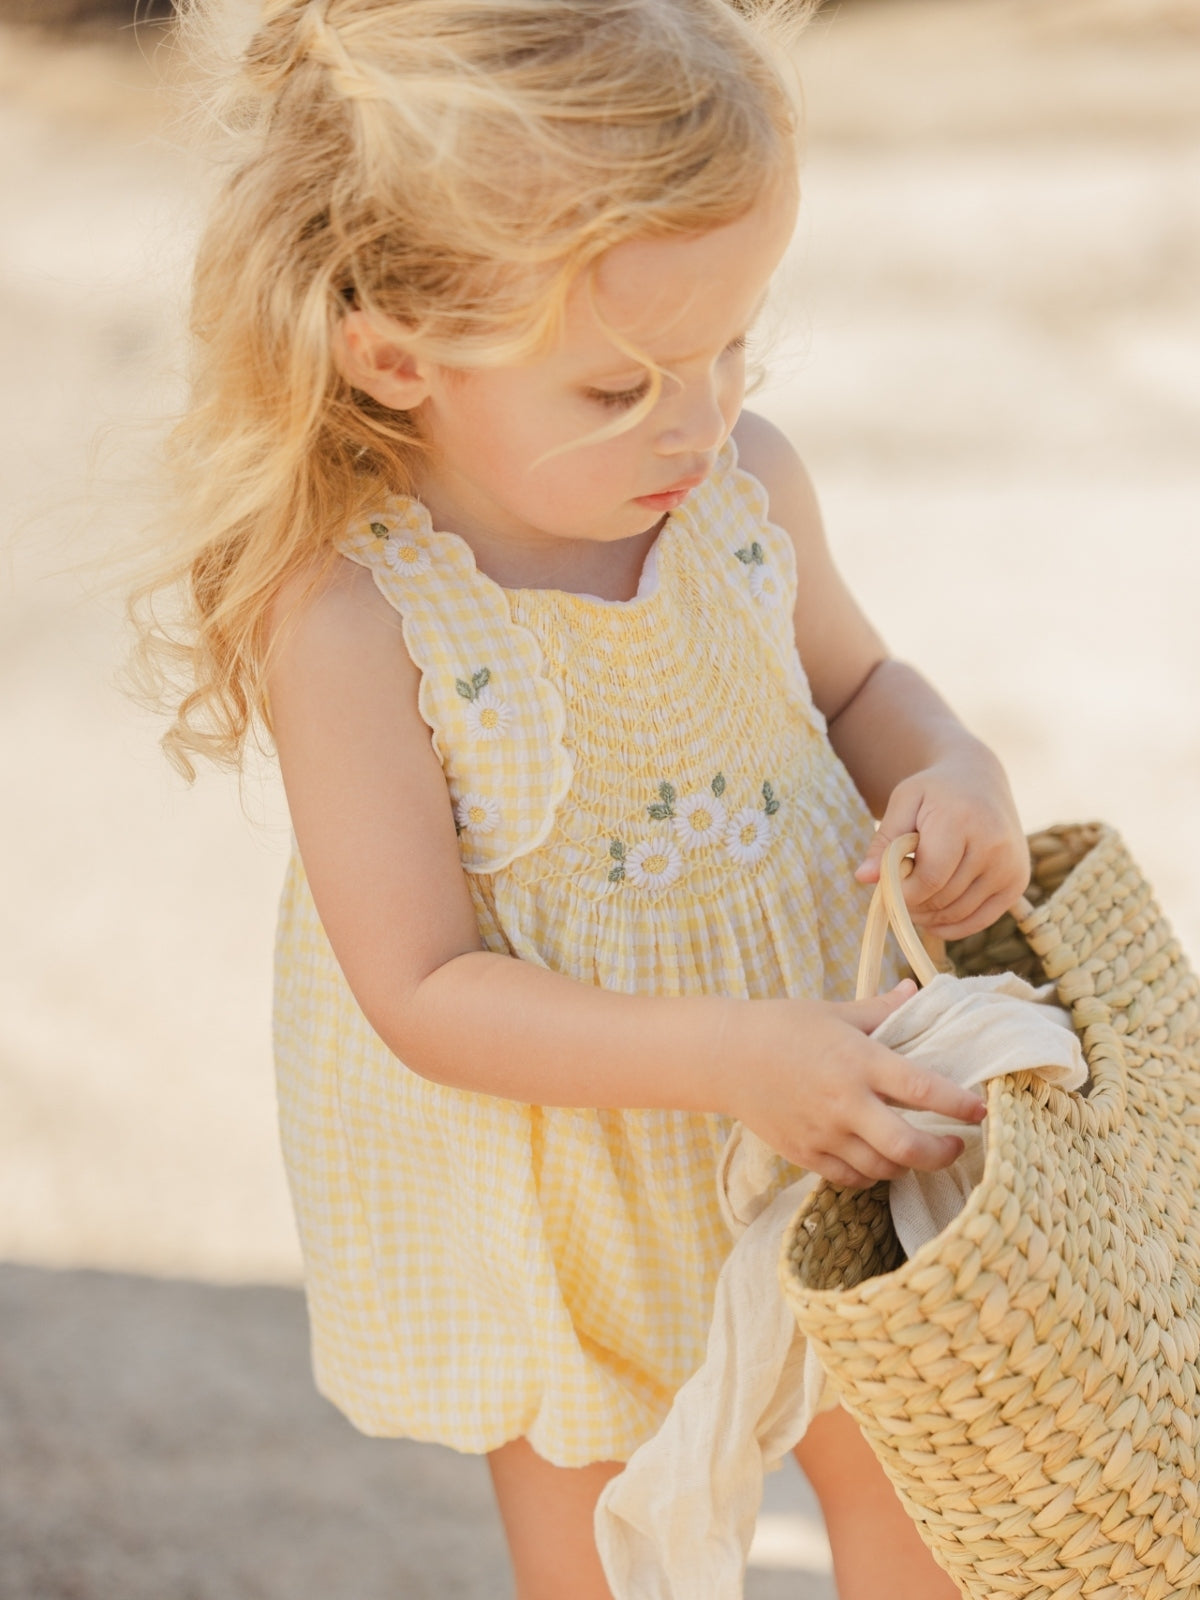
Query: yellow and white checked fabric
(646, 801)
(497, 700)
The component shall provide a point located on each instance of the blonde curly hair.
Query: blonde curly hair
(455, 165)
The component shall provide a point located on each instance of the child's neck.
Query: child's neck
(609, 569)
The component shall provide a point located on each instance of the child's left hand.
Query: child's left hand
(972, 863)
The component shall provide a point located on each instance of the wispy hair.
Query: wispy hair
(455, 166)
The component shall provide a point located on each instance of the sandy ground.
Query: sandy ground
(991, 360)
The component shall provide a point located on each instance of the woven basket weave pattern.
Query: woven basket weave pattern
(1030, 1379)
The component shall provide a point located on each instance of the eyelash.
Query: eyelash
(624, 399)
(619, 399)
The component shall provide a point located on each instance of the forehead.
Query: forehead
(663, 296)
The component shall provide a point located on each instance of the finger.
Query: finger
(983, 871)
(839, 1171)
(956, 922)
(904, 1083)
(860, 1152)
(897, 1143)
(934, 865)
(968, 873)
(867, 870)
(999, 882)
(866, 1015)
(899, 818)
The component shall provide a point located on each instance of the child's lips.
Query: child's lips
(668, 499)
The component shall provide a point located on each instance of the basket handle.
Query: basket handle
(888, 908)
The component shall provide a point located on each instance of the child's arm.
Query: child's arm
(374, 827)
(915, 764)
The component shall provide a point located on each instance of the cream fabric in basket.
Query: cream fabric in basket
(677, 1523)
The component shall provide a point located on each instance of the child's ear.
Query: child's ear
(373, 357)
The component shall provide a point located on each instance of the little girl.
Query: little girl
(581, 731)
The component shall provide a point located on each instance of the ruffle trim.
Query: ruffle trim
(755, 557)
(497, 721)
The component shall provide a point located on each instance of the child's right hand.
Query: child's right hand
(812, 1083)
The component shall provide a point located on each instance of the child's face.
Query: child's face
(506, 466)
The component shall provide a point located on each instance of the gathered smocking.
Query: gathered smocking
(522, 688)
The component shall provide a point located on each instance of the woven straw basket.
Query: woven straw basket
(1030, 1379)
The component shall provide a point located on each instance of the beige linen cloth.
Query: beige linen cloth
(677, 1523)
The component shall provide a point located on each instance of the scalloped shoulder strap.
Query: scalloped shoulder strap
(497, 721)
(749, 555)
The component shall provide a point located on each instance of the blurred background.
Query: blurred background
(988, 350)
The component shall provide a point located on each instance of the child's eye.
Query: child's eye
(623, 399)
(620, 399)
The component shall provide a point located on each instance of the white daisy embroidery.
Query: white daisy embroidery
(748, 835)
(653, 864)
(477, 813)
(762, 582)
(488, 716)
(698, 820)
(407, 555)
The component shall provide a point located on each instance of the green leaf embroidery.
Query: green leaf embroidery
(617, 850)
(744, 556)
(380, 530)
(479, 680)
(616, 874)
(665, 805)
(752, 557)
(770, 804)
(718, 785)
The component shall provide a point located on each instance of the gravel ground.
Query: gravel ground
(988, 354)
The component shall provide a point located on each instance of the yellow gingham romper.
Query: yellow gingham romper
(646, 800)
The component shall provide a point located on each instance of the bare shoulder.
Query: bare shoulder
(768, 455)
(333, 617)
(335, 595)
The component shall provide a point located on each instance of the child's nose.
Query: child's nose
(696, 422)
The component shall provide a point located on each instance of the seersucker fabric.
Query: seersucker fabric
(646, 800)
